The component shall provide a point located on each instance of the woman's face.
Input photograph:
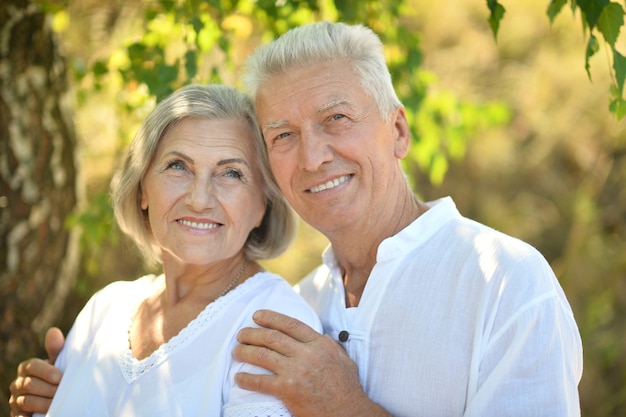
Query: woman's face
(203, 190)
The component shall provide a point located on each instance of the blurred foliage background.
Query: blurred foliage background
(513, 128)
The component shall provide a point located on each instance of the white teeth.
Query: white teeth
(329, 184)
(195, 225)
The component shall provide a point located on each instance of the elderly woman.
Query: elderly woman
(196, 194)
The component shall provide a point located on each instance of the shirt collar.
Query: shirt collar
(419, 231)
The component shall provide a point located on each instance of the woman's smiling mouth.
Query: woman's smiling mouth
(196, 225)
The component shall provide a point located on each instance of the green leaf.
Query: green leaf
(208, 35)
(619, 66)
(592, 9)
(618, 107)
(592, 48)
(610, 21)
(197, 24)
(554, 8)
(191, 64)
(497, 13)
(99, 68)
(438, 169)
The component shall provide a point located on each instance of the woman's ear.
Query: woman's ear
(266, 212)
(401, 132)
(143, 199)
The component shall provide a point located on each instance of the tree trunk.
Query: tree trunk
(38, 185)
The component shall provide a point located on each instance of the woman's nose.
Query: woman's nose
(201, 195)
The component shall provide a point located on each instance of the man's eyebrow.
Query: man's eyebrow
(275, 125)
(281, 123)
(332, 103)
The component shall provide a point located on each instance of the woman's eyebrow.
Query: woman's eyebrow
(233, 161)
(179, 155)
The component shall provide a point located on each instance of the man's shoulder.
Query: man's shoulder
(314, 283)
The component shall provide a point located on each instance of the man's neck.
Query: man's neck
(356, 250)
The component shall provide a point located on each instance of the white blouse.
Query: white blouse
(456, 319)
(190, 375)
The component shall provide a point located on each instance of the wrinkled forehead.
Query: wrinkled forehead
(315, 87)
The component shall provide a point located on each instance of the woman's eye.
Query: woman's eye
(175, 165)
(234, 173)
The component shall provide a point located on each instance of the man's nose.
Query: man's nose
(315, 149)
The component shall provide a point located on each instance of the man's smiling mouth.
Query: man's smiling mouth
(330, 184)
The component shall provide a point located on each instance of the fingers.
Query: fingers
(256, 348)
(285, 324)
(54, 342)
(319, 379)
(37, 379)
(39, 370)
(259, 383)
(25, 405)
(281, 334)
(31, 391)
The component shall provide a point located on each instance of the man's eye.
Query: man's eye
(337, 116)
(280, 140)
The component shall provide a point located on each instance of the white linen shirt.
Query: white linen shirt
(456, 319)
(190, 375)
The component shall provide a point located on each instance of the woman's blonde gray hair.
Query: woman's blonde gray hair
(340, 43)
(214, 102)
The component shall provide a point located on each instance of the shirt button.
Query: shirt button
(343, 336)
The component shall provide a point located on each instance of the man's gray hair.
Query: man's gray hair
(320, 42)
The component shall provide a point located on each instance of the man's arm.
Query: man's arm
(37, 379)
(312, 374)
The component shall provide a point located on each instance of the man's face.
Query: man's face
(332, 153)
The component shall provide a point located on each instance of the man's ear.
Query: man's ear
(402, 133)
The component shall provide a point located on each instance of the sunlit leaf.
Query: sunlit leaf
(161, 30)
(592, 9)
(610, 22)
(197, 24)
(208, 35)
(438, 169)
(618, 107)
(191, 64)
(554, 8)
(95, 220)
(496, 15)
(241, 26)
(619, 65)
(119, 59)
(592, 48)
(60, 21)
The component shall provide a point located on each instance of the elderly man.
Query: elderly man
(425, 312)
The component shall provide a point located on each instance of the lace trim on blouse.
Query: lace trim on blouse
(132, 368)
(257, 410)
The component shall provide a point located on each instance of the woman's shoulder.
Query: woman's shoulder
(118, 290)
(267, 290)
(269, 284)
